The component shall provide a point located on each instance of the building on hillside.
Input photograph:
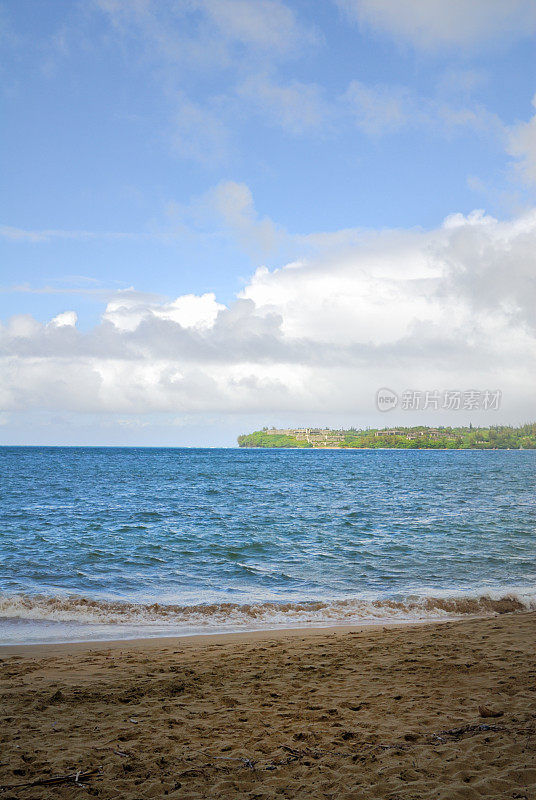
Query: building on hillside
(413, 434)
(317, 437)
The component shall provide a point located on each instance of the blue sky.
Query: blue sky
(157, 150)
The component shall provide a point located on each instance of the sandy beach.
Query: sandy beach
(423, 711)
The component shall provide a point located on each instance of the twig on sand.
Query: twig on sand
(247, 762)
(73, 777)
(362, 748)
(457, 732)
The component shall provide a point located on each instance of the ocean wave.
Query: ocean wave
(255, 615)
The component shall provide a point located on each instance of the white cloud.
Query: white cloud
(239, 46)
(267, 24)
(522, 145)
(126, 311)
(233, 203)
(199, 134)
(383, 109)
(210, 37)
(228, 210)
(379, 109)
(66, 318)
(22, 326)
(297, 107)
(23, 235)
(462, 82)
(375, 109)
(453, 307)
(217, 30)
(431, 24)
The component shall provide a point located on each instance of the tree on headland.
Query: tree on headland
(498, 437)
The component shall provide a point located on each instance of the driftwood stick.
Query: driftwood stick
(247, 762)
(296, 754)
(73, 776)
(468, 729)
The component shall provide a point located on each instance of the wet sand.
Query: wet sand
(423, 711)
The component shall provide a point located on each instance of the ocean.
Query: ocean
(106, 543)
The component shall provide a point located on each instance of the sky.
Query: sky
(223, 214)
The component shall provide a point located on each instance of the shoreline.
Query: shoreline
(414, 711)
(193, 640)
(47, 621)
(238, 447)
(405, 449)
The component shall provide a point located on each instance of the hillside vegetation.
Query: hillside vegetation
(503, 437)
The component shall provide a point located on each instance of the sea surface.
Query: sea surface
(103, 543)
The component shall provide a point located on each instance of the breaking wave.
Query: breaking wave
(235, 616)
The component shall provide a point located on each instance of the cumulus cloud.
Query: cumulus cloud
(126, 311)
(453, 307)
(431, 24)
(66, 318)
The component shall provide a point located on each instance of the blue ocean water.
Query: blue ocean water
(112, 542)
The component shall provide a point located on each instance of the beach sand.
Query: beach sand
(397, 712)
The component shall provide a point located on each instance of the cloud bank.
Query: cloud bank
(453, 307)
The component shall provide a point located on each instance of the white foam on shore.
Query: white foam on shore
(39, 618)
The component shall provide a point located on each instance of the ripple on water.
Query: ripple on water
(295, 525)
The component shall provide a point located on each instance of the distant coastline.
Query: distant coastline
(498, 437)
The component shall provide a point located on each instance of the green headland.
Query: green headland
(497, 437)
